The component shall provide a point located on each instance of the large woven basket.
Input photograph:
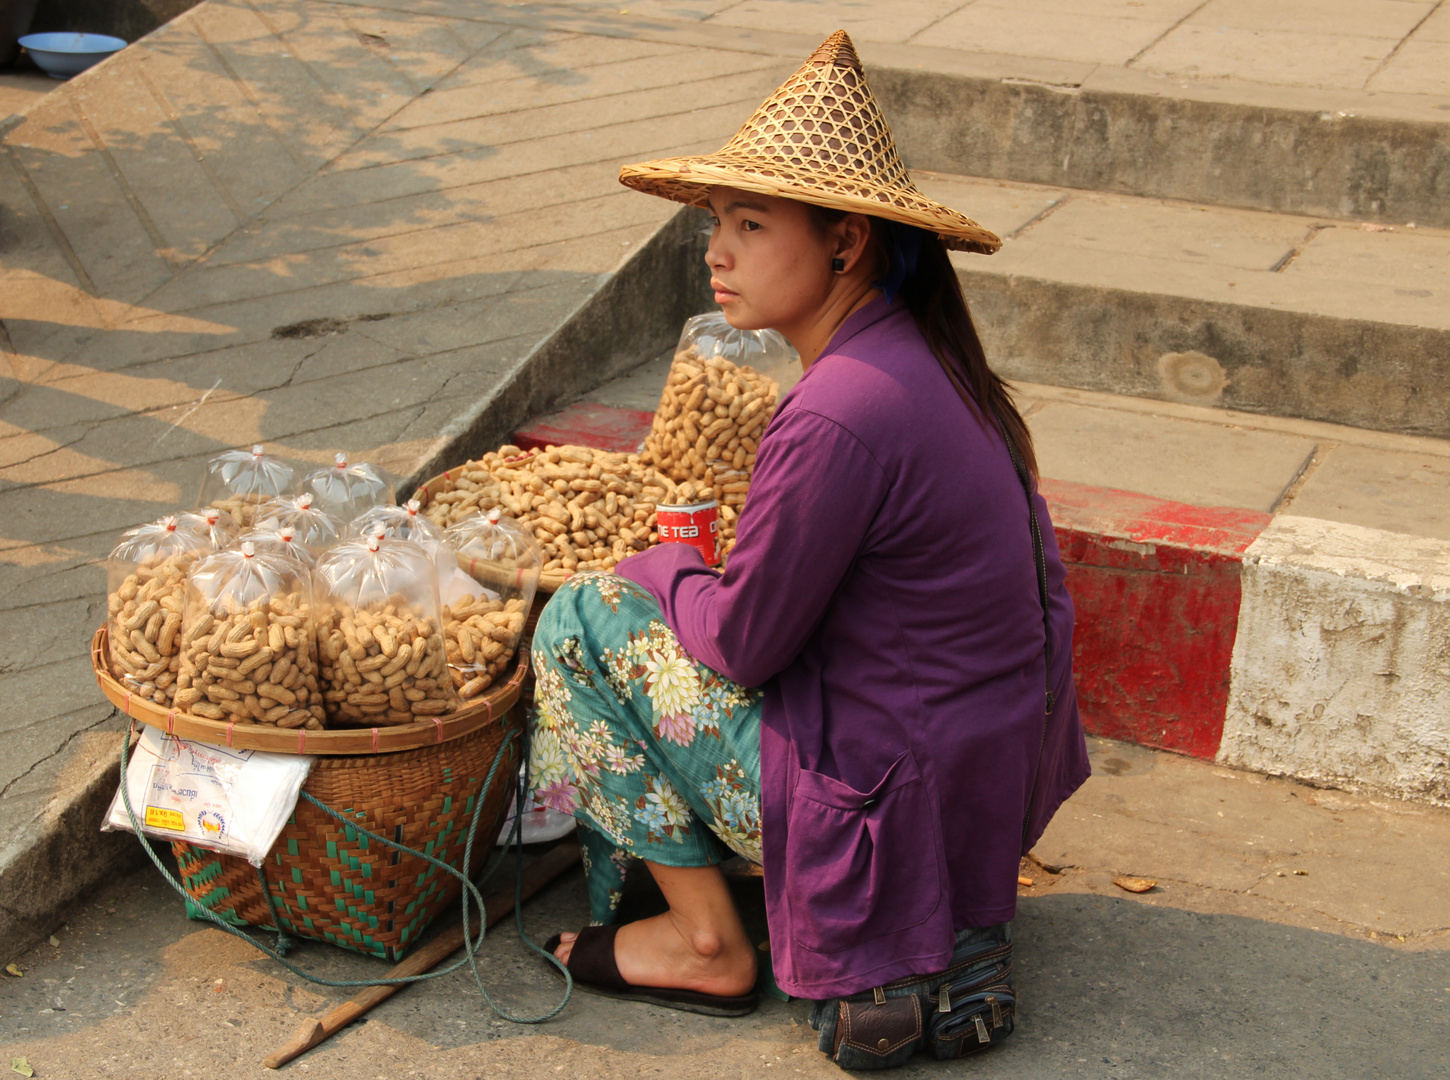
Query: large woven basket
(416, 784)
(330, 883)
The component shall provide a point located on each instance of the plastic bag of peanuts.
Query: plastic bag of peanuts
(281, 540)
(346, 488)
(248, 650)
(219, 525)
(146, 596)
(240, 481)
(380, 634)
(714, 408)
(406, 522)
(311, 525)
(481, 628)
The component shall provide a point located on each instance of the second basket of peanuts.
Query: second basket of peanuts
(589, 509)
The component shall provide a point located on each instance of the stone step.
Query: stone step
(1268, 313)
(1341, 154)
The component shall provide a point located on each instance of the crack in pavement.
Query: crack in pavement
(58, 750)
(57, 448)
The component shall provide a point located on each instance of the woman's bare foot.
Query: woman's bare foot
(699, 944)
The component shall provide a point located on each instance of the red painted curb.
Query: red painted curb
(588, 423)
(1156, 587)
(1155, 584)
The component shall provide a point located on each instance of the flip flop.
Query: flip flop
(591, 963)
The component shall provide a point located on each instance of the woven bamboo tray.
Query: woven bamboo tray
(328, 882)
(478, 713)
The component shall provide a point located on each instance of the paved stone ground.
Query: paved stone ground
(324, 225)
(20, 89)
(1286, 925)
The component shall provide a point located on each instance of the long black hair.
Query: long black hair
(933, 294)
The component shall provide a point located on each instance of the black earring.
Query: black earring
(838, 265)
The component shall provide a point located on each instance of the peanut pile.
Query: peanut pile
(383, 667)
(588, 508)
(708, 427)
(145, 627)
(243, 510)
(255, 664)
(591, 508)
(480, 636)
(687, 493)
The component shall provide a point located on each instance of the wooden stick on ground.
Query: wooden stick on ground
(315, 1030)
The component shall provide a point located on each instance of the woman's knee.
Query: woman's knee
(591, 601)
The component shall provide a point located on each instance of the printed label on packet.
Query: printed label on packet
(158, 817)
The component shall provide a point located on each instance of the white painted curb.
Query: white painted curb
(1341, 666)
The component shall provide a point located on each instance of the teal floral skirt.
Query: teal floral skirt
(656, 755)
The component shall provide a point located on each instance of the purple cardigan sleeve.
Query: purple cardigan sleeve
(813, 497)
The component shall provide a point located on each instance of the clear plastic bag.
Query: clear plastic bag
(482, 627)
(380, 636)
(346, 488)
(405, 522)
(248, 649)
(219, 525)
(311, 525)
(408, 523)
(146, 595)
(714, 409)
(232, 801)
(281, 540)
(239, 481)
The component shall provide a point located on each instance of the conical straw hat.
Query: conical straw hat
(819, 139)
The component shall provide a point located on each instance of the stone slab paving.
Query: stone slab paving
(21, 89)
(393, 227)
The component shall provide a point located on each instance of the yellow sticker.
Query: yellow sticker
(158, 817)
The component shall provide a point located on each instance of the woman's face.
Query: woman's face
(770, 262)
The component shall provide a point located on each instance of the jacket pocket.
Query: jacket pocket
(861, 864)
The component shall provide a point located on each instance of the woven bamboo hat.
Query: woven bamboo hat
(820, 139)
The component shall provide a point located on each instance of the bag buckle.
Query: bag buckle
(991, 999)
(879, 995)
(944, 999)
(982, 1034)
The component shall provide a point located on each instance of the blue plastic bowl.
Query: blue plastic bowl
(63, 54)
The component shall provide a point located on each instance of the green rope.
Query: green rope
(470, 890)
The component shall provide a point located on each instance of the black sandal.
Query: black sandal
(591, 963)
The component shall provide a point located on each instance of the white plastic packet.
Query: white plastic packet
(541, 823)
(232, 801)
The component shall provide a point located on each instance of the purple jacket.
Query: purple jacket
(882, 591)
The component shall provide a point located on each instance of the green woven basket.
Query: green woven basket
(329, 882)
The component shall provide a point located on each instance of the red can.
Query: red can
(697, 524)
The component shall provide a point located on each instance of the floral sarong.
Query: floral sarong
(656, 755)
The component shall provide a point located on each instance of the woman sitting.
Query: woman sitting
(875, 698)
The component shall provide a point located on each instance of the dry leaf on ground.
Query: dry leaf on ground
(1135, 884)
